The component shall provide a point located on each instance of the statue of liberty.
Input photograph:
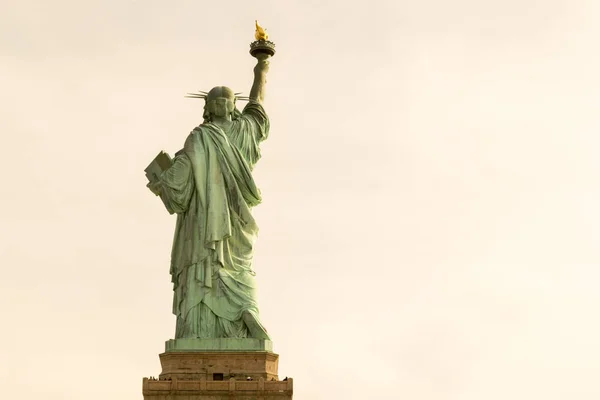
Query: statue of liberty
(209, 185)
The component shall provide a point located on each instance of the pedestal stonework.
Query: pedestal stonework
(224, 365)
(217, 390)
(192, 371)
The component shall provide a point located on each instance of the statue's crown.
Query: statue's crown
(204, 95)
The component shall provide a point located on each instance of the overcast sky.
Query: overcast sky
(430, 227)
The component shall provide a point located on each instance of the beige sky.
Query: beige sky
(430, 227)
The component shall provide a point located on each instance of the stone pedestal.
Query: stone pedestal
(216, 369)
(218, 365)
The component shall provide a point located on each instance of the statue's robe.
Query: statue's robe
(211, 189)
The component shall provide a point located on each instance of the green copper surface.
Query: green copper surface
(218, 344)
(210, 187)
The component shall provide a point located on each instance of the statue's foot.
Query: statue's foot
(255, 328)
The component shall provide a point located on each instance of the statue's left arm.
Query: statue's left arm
(176, 185)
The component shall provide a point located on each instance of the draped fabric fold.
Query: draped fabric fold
(211, 189)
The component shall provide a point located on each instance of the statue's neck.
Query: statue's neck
(221, 122)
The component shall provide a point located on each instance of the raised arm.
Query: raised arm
(257, 93)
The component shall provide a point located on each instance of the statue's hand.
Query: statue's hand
(262, 56)
(154, 187)
(262, 66)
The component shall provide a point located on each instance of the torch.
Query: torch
(262, 44)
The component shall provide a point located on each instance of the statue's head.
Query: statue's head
(220, 101)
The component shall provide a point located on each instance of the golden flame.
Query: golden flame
(260, 33)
